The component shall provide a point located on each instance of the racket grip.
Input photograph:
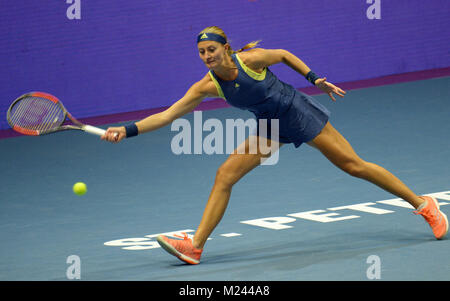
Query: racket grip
(94, 130)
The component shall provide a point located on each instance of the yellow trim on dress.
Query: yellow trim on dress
(219, 89)
(253, 74)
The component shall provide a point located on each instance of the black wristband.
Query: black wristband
(312, 77)
(131, 130)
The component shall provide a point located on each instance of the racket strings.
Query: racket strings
(36, 113)
(26, 117)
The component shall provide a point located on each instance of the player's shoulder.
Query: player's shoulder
(260, 53)
(251, 53)
(261, 57)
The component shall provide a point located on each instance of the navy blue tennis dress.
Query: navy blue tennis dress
(301, 117)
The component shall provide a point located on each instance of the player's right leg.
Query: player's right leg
(245, 158)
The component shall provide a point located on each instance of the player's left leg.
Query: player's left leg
(331, 143)
(339, 151)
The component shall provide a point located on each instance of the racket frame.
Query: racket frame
(77, 125)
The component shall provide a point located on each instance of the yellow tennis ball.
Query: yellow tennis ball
(79, 188)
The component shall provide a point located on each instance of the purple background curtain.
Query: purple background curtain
(124, 56)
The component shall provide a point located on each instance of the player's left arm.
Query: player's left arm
(261, 58)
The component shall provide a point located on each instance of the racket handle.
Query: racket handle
(94, 130)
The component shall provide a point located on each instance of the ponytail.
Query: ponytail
(248, 46)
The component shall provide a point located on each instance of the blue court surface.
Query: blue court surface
(299, 219)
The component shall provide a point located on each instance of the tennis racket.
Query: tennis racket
(39, 113)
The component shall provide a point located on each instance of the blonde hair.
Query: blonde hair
(219, 31)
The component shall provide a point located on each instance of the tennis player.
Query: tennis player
(244, 80)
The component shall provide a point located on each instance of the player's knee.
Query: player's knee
(355, 168)
(226, 176)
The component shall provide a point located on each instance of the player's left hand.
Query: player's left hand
(329, 88)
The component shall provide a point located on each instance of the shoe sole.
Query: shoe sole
(445, 217)
(170, 249)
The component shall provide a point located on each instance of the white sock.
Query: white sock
(422, 205)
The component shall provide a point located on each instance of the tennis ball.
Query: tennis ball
(79, 188)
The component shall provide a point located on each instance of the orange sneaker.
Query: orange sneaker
(437, 219)
(183, 249)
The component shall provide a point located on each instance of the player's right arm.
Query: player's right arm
(193, 97)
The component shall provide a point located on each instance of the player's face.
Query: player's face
(212, 53)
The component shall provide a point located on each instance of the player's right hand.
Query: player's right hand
(114, 134)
